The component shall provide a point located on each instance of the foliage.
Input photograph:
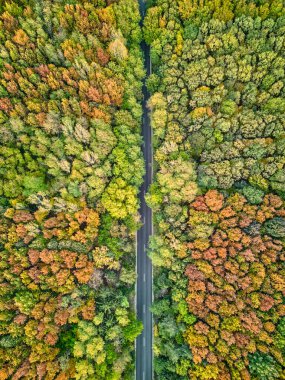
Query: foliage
(223, 90)
(217, 114)
(263, 366)
(275, 227)
(236, 281)
(70, 93)
(120, 199)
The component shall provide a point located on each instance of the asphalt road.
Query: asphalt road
(144, 365)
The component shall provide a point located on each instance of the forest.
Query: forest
(217, 110)
(70, 169)
(71, 166)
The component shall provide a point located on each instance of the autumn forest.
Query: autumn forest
(72, 75)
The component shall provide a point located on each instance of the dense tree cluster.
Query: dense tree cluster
(236, 124)
(70, 168)
(217, 112)
(236, 282)
(75, 78)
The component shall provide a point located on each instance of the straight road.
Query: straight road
(144, 365)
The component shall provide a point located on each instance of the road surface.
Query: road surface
(144, 366)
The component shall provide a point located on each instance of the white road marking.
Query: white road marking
(144, 341)
(143, 375)
(144, 309)
(144, 277)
